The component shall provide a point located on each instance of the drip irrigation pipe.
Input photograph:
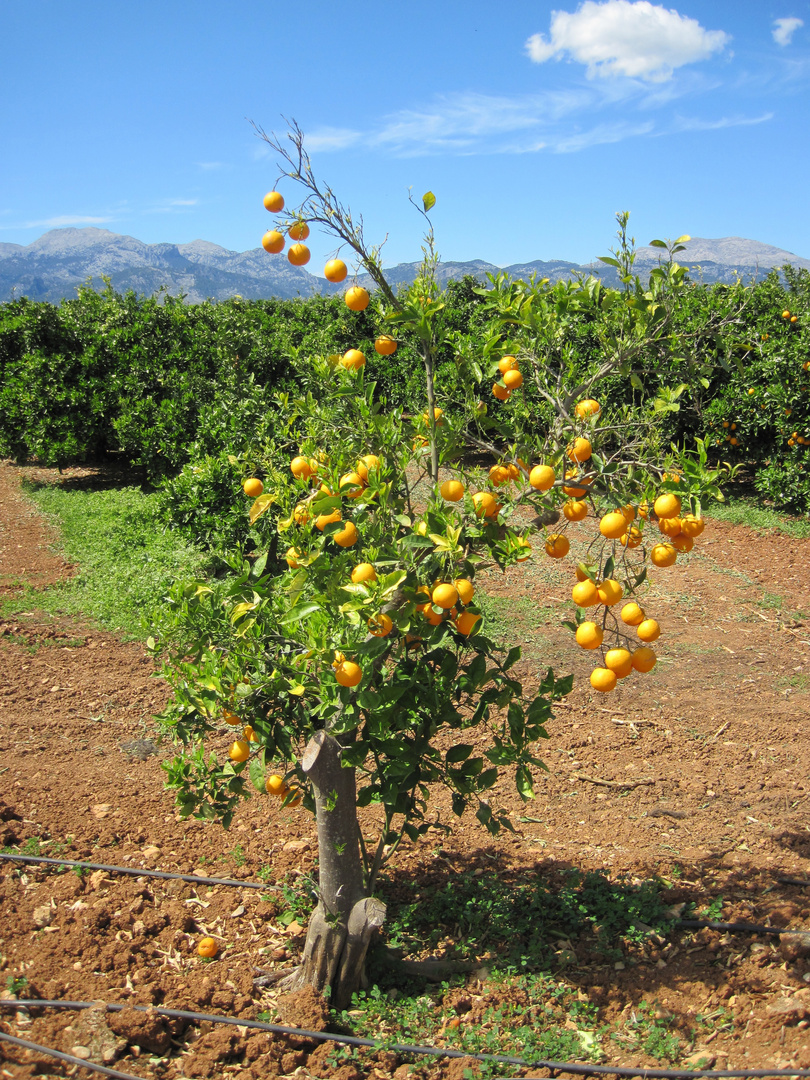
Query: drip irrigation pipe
(136, 871)
(736, 927)
(69, 1058)
(554, 1067)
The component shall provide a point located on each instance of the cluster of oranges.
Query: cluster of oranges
(450, 600)
(792, 319)
(511, 378)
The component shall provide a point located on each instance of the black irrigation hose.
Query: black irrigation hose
(69, 1058)
(435, 1051)
(135, 871)
(736, 927)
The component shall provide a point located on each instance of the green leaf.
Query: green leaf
(256, 772)
(300, 611)
(657, 244)
(609, 261)
(683, 239)
(636, 382)
(459, 753)
(523, 783)
(428, 201)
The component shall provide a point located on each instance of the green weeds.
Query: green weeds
(747, 512)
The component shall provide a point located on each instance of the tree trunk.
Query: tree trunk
(345, 920)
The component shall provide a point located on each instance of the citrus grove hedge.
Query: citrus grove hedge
(161, 384)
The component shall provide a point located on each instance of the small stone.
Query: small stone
(701, 1059)
(101, 811)
(793, 946)
(42, 916)
(77, 966)
(82, 1052)
(238, 911)
(788, 1008)
(618, 966)
(296, 845)
(295, 929)
(96, 879)
(151, 851)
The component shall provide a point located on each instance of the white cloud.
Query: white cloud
(330, 138)
(784, 29)
(601, 135)
(169, 206)
(695, 123)
(633, 38)
(65, 220)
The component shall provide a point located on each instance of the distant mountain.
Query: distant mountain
(52, 267)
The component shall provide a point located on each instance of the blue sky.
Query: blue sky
(532, 123)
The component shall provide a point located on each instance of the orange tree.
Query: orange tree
(342, 654)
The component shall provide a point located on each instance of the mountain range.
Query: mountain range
(52, 267)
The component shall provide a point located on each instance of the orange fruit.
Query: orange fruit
(273, 201)
(682, 542)
(507, 363)
(669, 526)
(513, 470)
(585, 593)
(498, 475)
(445, 595)
(589, 635)
(347, 536)
(644, 659)
(629, 512)
(273, 242)
(527, 549)
(249, 734)
(667, 506)
(299, 230)
(322, 520)
(692, 526)
(785, 314)
(500, 392)
(385, 345)
(353, 483)
(794, 318)
(557, 545)
(579, 450)
(367, 464)
(613, 525)
(631, 539)
(542, 477)
(433, 617)
(588, 408)
(298, 254)
(574, 490)
(353, 360)
(292, 556)
(610, 592)
(452, 490)
(348, 673)
(301, 468)
(380, 625)
(485, 504)
(357, 298)
(274, 785)
(465, 589)
(648, 630)
(239, 750)
(603, 679)
(364, 571)
(207, 947)
(253, 487)
(619, 661)
(230, 717)
(335, 271)
(466, 622)
(663, 555)
(301, 514)
(575, 510)
(513, 380)
(632, 614)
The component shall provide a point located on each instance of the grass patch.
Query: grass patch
(125, 557)
(749, 513)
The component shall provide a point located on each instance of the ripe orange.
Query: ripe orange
(207, 947)
(794, 318)
(351, 485)
(385, 345)
(667, 506)
(588, 408)
(239, 750)
(575, 510)
(683, 542)
(629, 512)
(500, 392)
(299, 230)
(253, 487)
(353, 360)
(557, 545)
(301, 468)
(249, 734)
(785, 314)
(574, 490)
(274, 785)
(579, 450)
(438, 417)
(610, 592)
(348, 673)
(542, 477)
(585, 593)
(445, 595)
(273, 242)
(631, 539)
(347, 536)
(230, 717)
(465, 589)
(273, 201)
(301, 514)
(335, 271)
(692, 526)
(452, 490)
(613, 525)
(632, 614)
(466, 622)
(485, 504)
(433, 617)
(603, 679)
(589, 635)
(292, 556)
(580, 573)
(669, 526)
(507, 363)
(380, 625)
(298, 254)
(498, 475)
(619, 661)
(366, 464)
(527, 549)
(648, 630)
(357, 298)
(663, 555)
(322, 520)
(513, 470)
(513, 380)
(644, 659)
(364, 571)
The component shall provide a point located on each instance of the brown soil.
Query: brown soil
(697, 773)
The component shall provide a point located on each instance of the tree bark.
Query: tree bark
(346, 919)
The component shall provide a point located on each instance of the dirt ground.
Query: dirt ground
(698, 773)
